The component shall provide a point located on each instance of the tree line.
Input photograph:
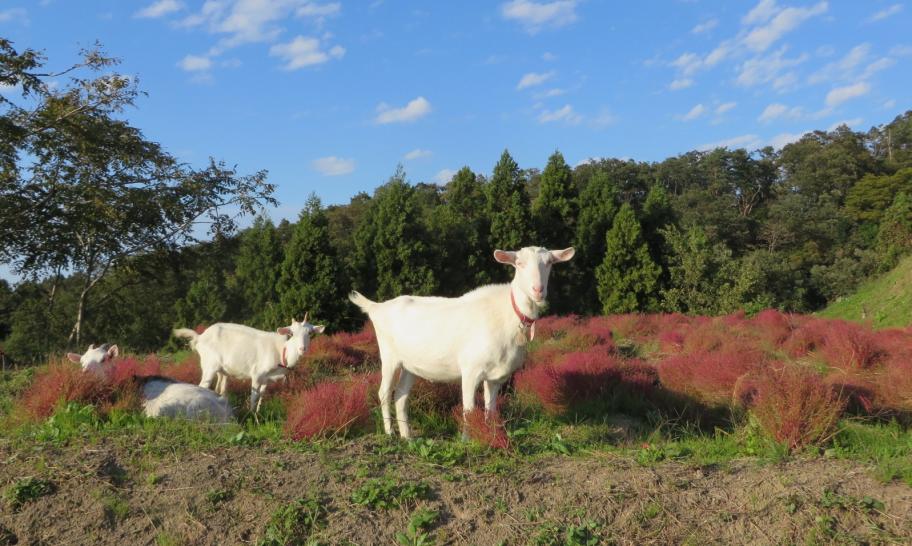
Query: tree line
(705, 232)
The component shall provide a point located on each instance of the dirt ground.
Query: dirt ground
(113, 495)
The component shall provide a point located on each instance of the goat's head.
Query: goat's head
(533, 265)
(95, 357)
(299, 338)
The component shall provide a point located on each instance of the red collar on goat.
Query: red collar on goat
(526, 321)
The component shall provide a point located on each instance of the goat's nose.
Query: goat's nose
(537, 288)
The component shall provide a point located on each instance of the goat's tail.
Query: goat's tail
(187, 334)
(361, 301)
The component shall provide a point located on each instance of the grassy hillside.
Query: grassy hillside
(884, 302)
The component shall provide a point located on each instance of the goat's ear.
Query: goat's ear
(113, 351)
(73, 357)
(505, 256)
(284, 330)
(319, 328)
(562, 255)
(91, 346)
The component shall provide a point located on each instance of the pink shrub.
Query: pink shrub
(186, 371)
(708, 377)
(795, 406)
(550, 326)
(807, 337)
(894, 385)
(671, 341)
(859, 392)
(772, 326)
(436, 398)
(127, 368)
(343, 351)
(330, 408)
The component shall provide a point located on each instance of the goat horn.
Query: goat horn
(305, 316)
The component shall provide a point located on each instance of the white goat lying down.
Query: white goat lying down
(476, 338)
(162, 397)
(247, 353)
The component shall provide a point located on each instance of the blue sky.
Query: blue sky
(330, 96)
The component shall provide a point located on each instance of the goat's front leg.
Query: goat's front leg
(491, 388)
(469, 386)
(406, 381)
(262, 392)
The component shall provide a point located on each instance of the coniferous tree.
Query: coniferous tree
(556, 208)
(508, 208)
(392, 251)
(205, 301)
(702, 275)
(256, 275)
(465, 256)
(597, 209)
(311, 279)
(627, 276)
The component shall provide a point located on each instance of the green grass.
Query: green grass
(294, 523)
(26, 490)
(886, 301)
(888, 446)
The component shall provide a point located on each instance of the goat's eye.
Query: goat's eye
(519, 263)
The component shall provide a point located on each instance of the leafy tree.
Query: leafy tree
(627, 276)
(312, 277)
(895, 236)
(702, 275)
(392, 251)
(508, 208)
(84, 191)
(257, 269)
(872, 195)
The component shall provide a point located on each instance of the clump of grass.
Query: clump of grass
(25, 490)
(295, 522)
(388, 492)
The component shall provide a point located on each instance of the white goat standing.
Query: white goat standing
(476, 338)
(162, 396)
(243, 352)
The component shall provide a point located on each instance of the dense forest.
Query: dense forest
(101, 222)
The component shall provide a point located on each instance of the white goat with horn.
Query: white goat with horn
(243, 352)
(476, 338)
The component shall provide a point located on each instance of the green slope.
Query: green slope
(883, 302)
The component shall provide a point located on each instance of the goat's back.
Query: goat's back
(167, 398)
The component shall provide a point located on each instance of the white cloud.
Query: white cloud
(305, 51)
(681, 83)
(547, 56)
(694, 113)
(604, 119)
(760, 70)
(760, 13)
(705, 26)
(901, 51)
(159, 9)
(744, 141)
(313, 9)
(776, 111)
(565, 115)
(880, 64)
(844, 68)
(555, 92)
(854, 122)
(333, 166)
(444, 176)
(761, 38)
(533, 78)
(195, 63)
(780, 140)
(688, 63)
(415, 109)
(725, 107)
(841, 94)
(14, 14)
(885, 13)
(418, 153)
(536, 15)
(888, 104)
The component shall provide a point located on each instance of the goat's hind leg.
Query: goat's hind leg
(388, 372)
(469, 386)
(406, 381)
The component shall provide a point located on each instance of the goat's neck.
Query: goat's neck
(524, 302)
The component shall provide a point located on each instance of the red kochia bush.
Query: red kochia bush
(794, 405)
(343, 351)
(772, 326)
(849, 346)
(330, 408)
(186, 371)
(807, 337)
(63, 381)
(708, 377)
(578, 377)
(484, 430)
